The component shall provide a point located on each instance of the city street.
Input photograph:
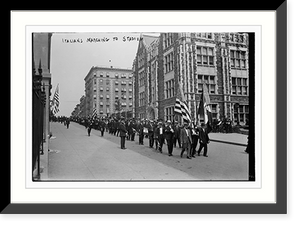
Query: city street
(74, 155)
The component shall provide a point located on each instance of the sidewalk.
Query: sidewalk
(229, 138)
(75, 156)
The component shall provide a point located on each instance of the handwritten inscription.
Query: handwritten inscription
(101, 40)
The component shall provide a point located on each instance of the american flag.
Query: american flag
(94, 114)
(55, 101)
(181, 107)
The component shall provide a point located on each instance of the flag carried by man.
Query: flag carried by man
(94, 114)
(181, 107)
(55, 101)
(204, 108)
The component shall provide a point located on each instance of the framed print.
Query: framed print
(149, 115)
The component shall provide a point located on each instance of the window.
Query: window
(169, 88)
(141, 77)
(237, 38)
(204, 35)
(210, 82)
(169, 113)
(214, 111)
(169, 62)
(241, 113)
(107, 88)
(167, 40)
(239, 86)
(238, 59)
(142, 100)
(205, 56)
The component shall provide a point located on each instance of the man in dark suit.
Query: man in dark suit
(169, 133)
(123, 132)
(150, 133)
(186, 140)
(203, 139)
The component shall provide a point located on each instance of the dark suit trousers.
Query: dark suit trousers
(123, 142)
(170, 145)
(203, 145)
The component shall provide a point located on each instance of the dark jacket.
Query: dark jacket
(122, 129)
(203, 136)
(169, 132)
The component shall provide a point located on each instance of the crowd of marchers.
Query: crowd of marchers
(157, 133)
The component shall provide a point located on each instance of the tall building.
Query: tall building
(109, 90)
(220, 60)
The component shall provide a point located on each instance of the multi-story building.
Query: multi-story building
(109, 90)
(190, 60)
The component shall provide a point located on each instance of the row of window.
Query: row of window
(238, 59)
(116, 82)
(116, 96)
(168, 39)
(205, 56)
(123, 104)
(169, 62)
(116, 89)
(117, 75)
(142, 99)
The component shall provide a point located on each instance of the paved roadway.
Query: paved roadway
(76, 156)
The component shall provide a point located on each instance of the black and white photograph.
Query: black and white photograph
(148, 112)
(143, 106)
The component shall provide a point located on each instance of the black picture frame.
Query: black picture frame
(280, 207)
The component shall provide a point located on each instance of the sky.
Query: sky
(73, 55)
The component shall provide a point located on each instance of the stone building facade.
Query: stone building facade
(169, 60)
(104, 86)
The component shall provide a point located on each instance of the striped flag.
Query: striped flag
(181, 107)
(55, 101)
(177, 108)
(94, 114)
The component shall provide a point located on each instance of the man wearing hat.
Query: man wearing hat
(169, 133)
(123, 133)
(203, 139)
(186, 140)
(160, 135)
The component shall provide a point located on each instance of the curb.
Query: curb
(228, 142)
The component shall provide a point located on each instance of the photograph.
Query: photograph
(143, 106)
